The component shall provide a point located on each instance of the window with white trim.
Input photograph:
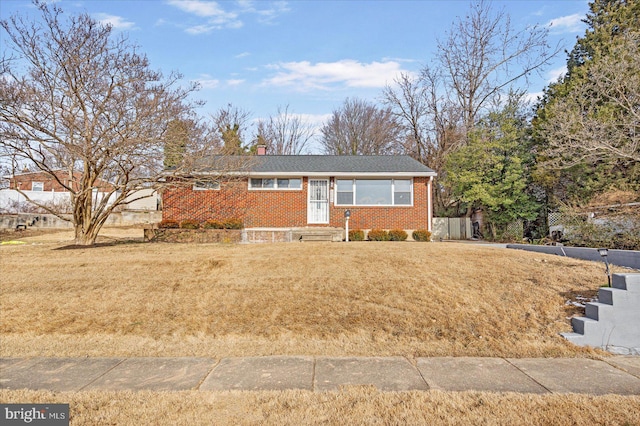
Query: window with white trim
(206, 185)
(275, 183)
(37, 186)
(374, 192)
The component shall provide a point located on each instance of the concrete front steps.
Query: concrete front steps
(612, 323)
(317, 234)
(286, 235)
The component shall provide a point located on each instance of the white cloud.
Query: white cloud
(207, 28)
(399, 60)
(235, 82)
(567, 24)
(315, 121)
(242, 55)
(216, 17)
(533, 97)
(322, 75)
(198, 7)
(267, 16)
(554, 74)
(206, 82)
(117, 22)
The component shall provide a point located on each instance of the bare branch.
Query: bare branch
(79, 99)
(360, 128)
(285, 134)
(599, 119)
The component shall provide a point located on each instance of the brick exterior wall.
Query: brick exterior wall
(287, 208)
(25, 181)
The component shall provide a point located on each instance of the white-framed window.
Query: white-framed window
(37, 186)
(276, 183)
(206, 185)
(374, 192)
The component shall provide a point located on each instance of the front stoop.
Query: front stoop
(317, 234)
(612, 323)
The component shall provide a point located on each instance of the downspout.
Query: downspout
(429, 206)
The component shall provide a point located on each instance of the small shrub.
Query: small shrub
(421, 235)
(189, 224)
(213, 224)
(233, 223)
(356, 235)
(378, 235)
(168, 224)
(397, 235)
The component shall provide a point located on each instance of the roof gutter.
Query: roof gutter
(323, 174)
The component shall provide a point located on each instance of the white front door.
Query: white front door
(318, 205)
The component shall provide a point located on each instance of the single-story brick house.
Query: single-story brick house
(50, 189)
(292, 191)
(46, 182)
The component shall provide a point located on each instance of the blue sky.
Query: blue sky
(310, 55)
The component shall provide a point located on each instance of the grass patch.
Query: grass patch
(353, 406)
(357, 299)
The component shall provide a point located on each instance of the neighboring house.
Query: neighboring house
(278, 191)
(43, 188)
(142, 200)
(44, 182)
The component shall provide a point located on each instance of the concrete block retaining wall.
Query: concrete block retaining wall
(628, 258)
(49, 221)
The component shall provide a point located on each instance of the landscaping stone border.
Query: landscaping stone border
(192, 235)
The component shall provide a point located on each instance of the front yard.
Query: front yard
(366, 299)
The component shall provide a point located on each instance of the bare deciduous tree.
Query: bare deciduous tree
(285, 134)
(474, 66)
(431, 124)
(483, 54)
(79, 99)
(361, 128)
(409, 102)
(598, 119)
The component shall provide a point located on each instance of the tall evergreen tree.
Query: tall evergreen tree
(587, 127)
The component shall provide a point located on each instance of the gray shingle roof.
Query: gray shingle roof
(339, 163)
(336, 164)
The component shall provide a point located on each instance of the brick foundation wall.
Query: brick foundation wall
(287, 208)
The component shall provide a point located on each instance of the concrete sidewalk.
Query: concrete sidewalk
(615, 375)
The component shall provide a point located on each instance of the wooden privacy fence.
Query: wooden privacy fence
(451, 228)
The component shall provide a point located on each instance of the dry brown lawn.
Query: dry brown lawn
(408, 299)
(356, 299)
(350, 406)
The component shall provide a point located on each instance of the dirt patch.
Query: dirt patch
(576, 301)
(18, 234)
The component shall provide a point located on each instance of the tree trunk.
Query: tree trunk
(86, 229)
(85, 237)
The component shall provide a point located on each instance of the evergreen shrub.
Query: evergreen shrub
(356, 235)
(421, 235)
(378, 235)
(397, 235)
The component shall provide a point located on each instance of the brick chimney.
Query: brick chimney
(262, 149)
